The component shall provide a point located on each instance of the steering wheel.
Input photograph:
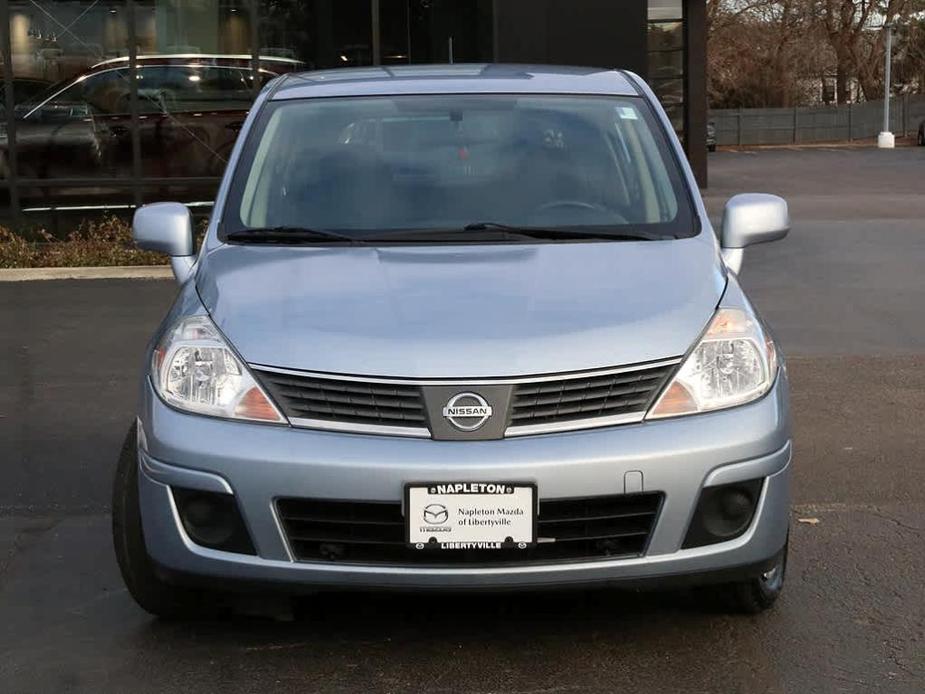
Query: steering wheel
(580, 204)
(613, 217)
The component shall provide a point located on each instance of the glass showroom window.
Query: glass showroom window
(94, 132)
(63, 125)
(667, 57)
(318, 33)
(434, 31)
(196, 81)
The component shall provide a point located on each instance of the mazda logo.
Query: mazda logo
(435, 514)
(467, 411)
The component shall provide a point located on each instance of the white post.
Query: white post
(885, 139)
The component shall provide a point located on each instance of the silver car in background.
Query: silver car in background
(457, 327)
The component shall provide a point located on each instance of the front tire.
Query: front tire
(152, 593)
(757, 594)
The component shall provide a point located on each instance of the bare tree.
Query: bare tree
(851, 27)
(765, 52)
(909, 55)
(761, 51)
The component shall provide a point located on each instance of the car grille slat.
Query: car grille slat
(586, 519)
(598, 395)
(604, 536)
(351, 402)
(591, 409)
(343, 412)
(586, 397)
(336, 538)
(597, 531)
(338, 386)
(578, 529)
(579, 388)
(599, 506)
(337, 512)
(319, 396)
(301, 518)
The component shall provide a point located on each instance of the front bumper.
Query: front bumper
(258, 463)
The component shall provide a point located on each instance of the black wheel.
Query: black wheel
(153, 594)
(921, 138)
(756, 594)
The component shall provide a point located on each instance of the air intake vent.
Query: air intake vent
(564, 400)
(361, 532)
(356, 402)
(521, 406)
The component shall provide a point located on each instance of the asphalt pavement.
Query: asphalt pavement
(845, 295)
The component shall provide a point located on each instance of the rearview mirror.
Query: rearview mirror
(748, 219)
(166, 227)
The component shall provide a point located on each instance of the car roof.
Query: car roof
(456, 79)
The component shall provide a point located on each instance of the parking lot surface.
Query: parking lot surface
(845, 295)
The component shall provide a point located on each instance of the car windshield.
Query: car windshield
(458, 162)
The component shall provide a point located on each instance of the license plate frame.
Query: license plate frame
(478, 536)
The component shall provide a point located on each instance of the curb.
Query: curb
(126, 272)
(901, 143)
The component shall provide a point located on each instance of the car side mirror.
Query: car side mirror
(167, 227)
(748, 219)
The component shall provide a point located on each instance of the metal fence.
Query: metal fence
(802, 124)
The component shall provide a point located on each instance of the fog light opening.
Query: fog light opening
(213, 520)
(729, 512)
(207, 522)
(723, 513)
(736, 503)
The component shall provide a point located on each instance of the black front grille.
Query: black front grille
(584, 529)
(587, 397)
(358, 402)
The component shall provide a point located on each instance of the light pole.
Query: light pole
(885, 139)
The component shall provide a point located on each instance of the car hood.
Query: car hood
(462, 311)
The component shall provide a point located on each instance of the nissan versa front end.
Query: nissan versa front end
(457, 327)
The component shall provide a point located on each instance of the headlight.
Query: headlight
(735, 362)
(193, 369)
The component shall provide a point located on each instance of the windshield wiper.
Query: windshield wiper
(509, 232)
(566, 232)
(288, 235)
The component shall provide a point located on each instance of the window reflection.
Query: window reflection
(190, 112)
(59, 112)
(320, 33)
(442, 31)
(666, 36)
(395, 31)
(665, 9)
(214, 27)
(666, 58)
(54, 40)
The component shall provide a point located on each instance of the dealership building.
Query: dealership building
(77, 137)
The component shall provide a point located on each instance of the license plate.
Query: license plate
(470, 515)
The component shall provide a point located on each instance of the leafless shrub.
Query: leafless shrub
(104, 241)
